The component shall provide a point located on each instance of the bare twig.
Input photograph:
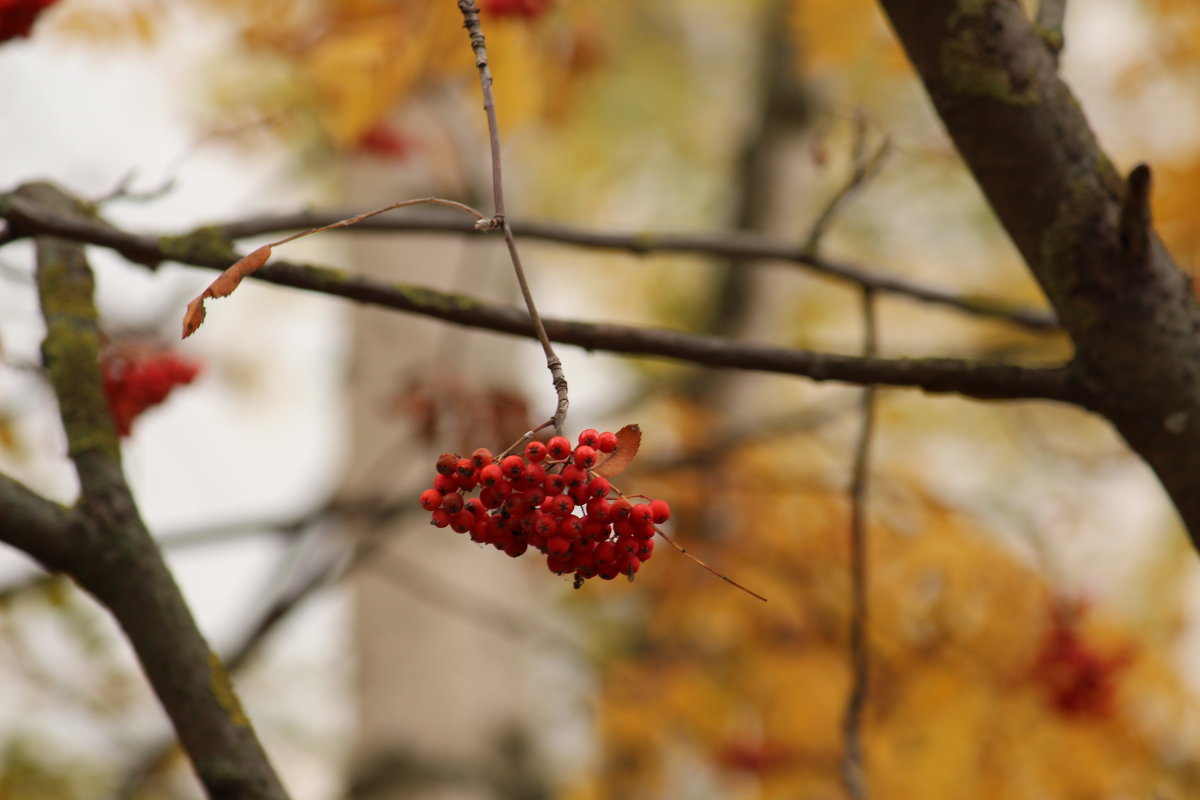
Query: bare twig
(471, 22)
(864, 169)
(684, 552)
(853, 771)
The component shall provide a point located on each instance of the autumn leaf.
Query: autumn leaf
(629, 439)
(224, 285)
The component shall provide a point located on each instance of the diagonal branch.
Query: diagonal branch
(111, 554)
(1024, 136)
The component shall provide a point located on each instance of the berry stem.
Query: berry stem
(525, 437)
(471, 22)
(357, 218)
(683, 551)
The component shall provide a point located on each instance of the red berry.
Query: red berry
(645, 549)
(462, 521)
(589, 438)
(574, 476)
(464, 469)
(607, 442)
(599, 487)
(535, 452)
(558, 448)
(491, 475)
(440, 518)
(641, 515)
(453, 502)
(446, 463)
(585, 456)
(481, 458)
(430, 499)
(558, 546)
(512, 467)
(660, 512)
(554, 485)
(444, 483)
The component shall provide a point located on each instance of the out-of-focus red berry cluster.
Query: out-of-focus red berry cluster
(17, 16)
(550, 498)
(1078, 680)
(138, 378)
(524, 9)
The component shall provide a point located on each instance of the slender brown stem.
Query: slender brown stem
(853, 772)
(553, 363)
(357, 218)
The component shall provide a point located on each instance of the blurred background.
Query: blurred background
(1034, 600)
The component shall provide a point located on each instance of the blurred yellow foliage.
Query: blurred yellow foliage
(957, 625)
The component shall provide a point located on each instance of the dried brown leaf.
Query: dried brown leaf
(224, 285)
(629, 439)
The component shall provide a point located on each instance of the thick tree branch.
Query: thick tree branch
(983, 380)
(33, 524)
(1025, 139)
(111, 554)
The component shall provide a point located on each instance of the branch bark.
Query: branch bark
(207, 248)
(104, 546)
(1020, 130)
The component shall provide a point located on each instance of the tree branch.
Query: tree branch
(111, 554)
(1025, 139)
(207, 248)
(737, 246)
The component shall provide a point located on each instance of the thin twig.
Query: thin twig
(853, 771)
(686, 554)
(357, 218)
(864, 169)
(471, 22)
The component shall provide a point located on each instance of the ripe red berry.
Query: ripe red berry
(660, 512)
(554, 485)
(535, 452)
(481, 458)
(585, 456)
(444, 483)
(641, 515)
(574, 476)
(558, 546)
(430, 499)
(446, 463)
(462, 521)
(607, 442)
(440, 518)
(589, 438)
(453, 502)
(512, 466)
(558, 448)
(464, 470)
(598, 487)
(491, 475)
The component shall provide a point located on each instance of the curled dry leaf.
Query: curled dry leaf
(225, 283)
(629, 439)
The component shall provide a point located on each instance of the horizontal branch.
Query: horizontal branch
(739, 245)
(742, 246)
(209, 248)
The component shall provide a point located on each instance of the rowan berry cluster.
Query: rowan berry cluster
(552, 498)
(136, 379)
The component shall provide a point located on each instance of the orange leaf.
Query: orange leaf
(224, 285)
(629, 439)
